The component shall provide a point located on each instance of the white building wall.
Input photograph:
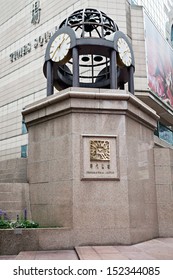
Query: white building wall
(22, 81)
(156, 12)
(138, 43)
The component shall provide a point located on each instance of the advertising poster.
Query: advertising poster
(159, 63)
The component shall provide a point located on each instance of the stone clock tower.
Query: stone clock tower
(90, 154)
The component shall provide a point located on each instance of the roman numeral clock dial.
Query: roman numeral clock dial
(60, 47)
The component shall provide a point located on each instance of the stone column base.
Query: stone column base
(90, 165)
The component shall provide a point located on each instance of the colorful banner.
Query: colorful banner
(159, 62)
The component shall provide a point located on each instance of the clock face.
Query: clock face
(124, 52)
(60, 47)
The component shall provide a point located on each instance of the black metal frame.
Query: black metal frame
(112, 75)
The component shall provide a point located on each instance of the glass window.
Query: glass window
(24, 129)
(165, 133)
(172, 33)
(24, 149)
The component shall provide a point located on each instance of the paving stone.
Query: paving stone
(156, 249)
(8, 257)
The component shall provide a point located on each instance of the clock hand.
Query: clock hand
(55, 51)
(58, 47)
(125, 52)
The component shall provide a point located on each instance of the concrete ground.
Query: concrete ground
(155, 249)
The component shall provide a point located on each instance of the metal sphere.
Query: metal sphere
(90, 23)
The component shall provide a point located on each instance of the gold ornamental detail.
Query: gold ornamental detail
(99, 150)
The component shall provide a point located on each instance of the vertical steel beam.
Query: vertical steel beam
(49, 78)
(75, 55)
(113, 70)
(131, 80)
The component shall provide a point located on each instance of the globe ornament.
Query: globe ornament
(88, 50)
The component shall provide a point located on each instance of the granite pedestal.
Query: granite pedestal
(91, 166)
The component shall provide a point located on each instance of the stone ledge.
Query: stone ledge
(73, 100)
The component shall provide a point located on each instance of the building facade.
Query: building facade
(59, 181)
(157, 26)
(26, 27)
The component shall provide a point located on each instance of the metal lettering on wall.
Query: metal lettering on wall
(99, 150)
(38, 42)
(20, 52)
(36, 11)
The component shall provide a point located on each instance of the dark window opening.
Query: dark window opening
(164, 133)
(24, 151)
(24, 129)
(172, 33)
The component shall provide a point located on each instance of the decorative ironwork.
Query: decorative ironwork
(90, 23)
(93, 57)
(99, 150)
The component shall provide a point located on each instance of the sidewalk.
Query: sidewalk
(155, 249)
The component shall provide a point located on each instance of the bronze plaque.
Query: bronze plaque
(99, 150)
(99, 155)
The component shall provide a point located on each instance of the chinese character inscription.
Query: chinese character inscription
(99, 157)
(36, 10)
